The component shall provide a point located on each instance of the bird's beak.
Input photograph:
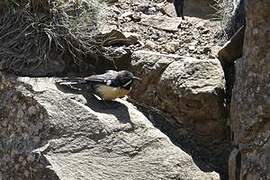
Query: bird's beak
(137, 78)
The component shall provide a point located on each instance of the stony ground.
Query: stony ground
(158, 29)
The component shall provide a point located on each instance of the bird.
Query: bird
(107, 86)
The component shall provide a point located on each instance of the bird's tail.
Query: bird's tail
(73, 83)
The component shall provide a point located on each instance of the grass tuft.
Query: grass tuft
(36, 34)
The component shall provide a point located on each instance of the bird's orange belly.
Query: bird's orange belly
(111, 93)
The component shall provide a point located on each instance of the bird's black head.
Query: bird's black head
(126, 78)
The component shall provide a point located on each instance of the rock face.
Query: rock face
(50, 134)
(193, 8)
(199, 8)
(250, 109)
(22, 129)
(192, 92)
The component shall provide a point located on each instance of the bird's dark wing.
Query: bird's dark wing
(106, 78)
(71, 81)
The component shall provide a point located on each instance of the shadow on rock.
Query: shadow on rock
(116, 108)
(181, 137)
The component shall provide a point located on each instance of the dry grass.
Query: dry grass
(53, 32)
(40, 5)
(224, 11)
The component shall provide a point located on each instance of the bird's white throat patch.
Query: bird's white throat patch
(109, 82)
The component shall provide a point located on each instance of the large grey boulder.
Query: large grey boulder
(50, 134)
(191, 91)
(250, 108)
